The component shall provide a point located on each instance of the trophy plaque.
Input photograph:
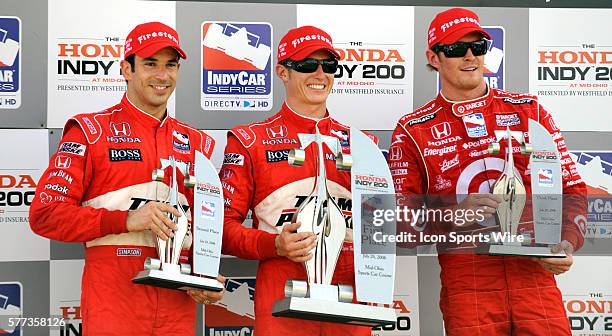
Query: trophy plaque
(546, 190)
(167, 271)
(316, 298)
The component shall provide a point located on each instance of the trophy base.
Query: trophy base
(176, 281)
(525, 251)
(332, 311)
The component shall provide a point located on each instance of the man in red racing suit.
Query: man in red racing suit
(98, 190)
(256, 176)
(442, 149)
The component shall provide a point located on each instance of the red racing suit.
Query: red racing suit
(256, 176)
(102, 169)
(440, 150)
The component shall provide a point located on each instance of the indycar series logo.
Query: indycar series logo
(234, 314)
(475, 125)
(545, 178)
(11, 305)
(10, 62)
(236, 66)
(595, 168)
(494, 64)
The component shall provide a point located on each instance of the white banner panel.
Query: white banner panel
(569, 65)
(25, 155)
(65, 295)
(373, 87)
(406, 300)
(85, 50)
(587, 296)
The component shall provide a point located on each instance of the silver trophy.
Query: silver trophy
(166, 271)
(316, 298)
(546, 211)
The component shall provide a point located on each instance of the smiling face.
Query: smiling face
(152, 80)
(461, 77)
(308, 92)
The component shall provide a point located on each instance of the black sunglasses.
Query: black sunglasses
(310, 65)
(459, 49)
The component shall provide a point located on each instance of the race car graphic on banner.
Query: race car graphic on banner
(234, 314)
(10, 62)
(494, 62)
(595, 168)
(236, 66)
(11, 305)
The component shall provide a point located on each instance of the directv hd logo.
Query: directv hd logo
(494, 64)
(11, 306)
(236, 66)
(10, 62)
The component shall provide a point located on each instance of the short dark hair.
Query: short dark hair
(132, 60)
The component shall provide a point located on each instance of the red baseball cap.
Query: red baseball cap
(452, 24)
(300, 42)
(148, 38)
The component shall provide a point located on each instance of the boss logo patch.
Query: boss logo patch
(124, 154)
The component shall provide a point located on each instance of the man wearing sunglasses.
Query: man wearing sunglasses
(256, 176)
(442, 147)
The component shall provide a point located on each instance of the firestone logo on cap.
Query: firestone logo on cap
(452, 24)
(148, 38)
(312, 37)
(300, 42)
(145, 37)
(457, 21)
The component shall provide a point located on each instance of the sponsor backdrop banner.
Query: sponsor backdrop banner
(405, 302)
(569, 65)
(65, 295)
(588, 303)
(85, 50)
(595, 168)
(25, 156)
(373, 86)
